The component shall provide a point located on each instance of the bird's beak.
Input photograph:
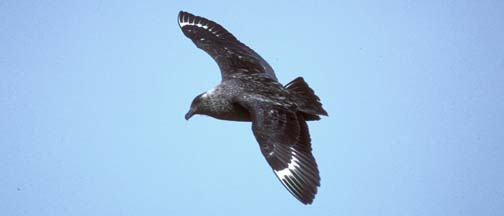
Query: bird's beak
(189, 114)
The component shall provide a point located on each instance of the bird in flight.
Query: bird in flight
(249, 91)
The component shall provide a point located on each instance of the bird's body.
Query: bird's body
(253, 88)
(250, 91)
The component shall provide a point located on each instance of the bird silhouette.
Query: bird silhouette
(250, 91)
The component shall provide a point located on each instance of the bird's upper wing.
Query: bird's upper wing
(231, 55)
(284, 140)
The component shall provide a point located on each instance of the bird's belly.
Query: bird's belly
(236, 113)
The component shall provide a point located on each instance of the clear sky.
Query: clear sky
(93, 96)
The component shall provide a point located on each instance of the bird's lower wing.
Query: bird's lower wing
(285, 143)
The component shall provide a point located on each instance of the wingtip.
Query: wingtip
(307, 202)
(183, 17)
(182, 13)
(301, 176)
(180, 17)
(189, 19)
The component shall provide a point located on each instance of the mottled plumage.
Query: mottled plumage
(250, 91)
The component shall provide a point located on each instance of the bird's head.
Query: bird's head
(200, 105)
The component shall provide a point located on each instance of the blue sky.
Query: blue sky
(93, 96)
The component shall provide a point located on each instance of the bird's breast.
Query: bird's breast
(233, 112)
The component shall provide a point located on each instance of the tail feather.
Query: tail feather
(309, 103)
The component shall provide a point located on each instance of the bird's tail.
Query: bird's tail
(307, 102)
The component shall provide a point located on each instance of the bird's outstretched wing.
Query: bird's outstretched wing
(285, 142)
(231, 55)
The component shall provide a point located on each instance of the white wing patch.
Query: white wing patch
(288, 172)
(187, 23)
(184, 20)
(296, 179)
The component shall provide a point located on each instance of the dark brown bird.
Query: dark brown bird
(250, 91)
